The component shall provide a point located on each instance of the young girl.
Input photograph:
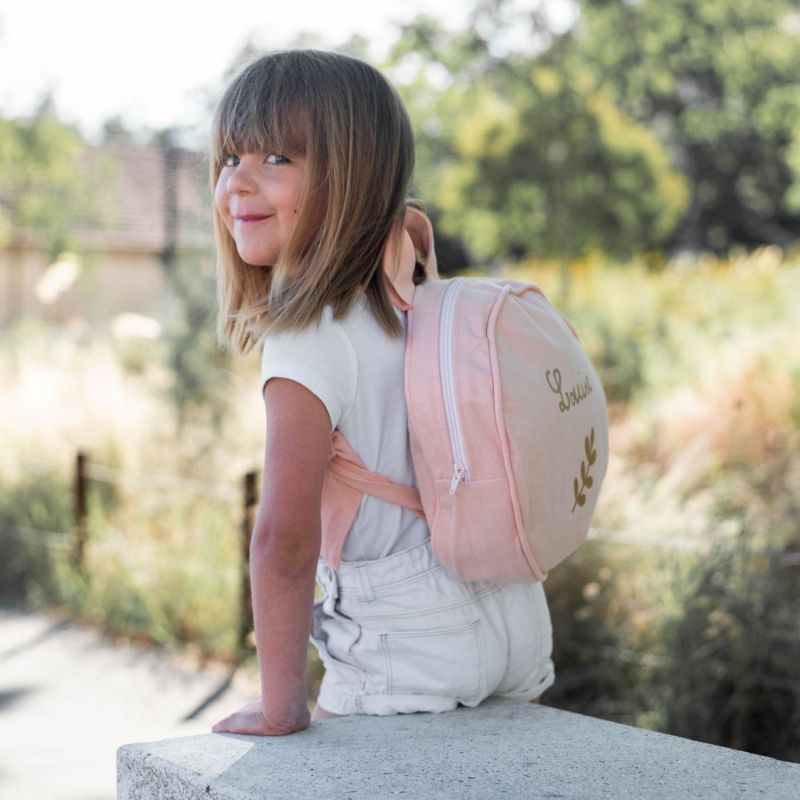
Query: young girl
(312, 161)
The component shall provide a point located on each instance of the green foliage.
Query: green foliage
(555, 170)
(734, 650)
(720, 83)
(42, 187)
(528, 155)
(589, 596)
(647, 125)
(199, 368)
(171, 575)
(35, 528)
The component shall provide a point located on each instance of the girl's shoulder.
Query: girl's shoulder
(320, 356)
(327, 338)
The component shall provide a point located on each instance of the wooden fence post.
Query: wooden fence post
(80, 511)
(248, 521)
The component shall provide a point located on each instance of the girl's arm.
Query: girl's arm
(283, 556)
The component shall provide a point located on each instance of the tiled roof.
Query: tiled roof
(136, 187)
(133, 187)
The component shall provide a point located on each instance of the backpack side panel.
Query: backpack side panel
(474, 532)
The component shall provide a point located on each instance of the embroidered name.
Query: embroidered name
(571, 398)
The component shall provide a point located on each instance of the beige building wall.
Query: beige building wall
(107, 283)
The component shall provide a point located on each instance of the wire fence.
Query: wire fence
(56, 540)
(73, 543)
(152, 481)
(685, 543)
(664, 661)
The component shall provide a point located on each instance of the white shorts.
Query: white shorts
(400, 634)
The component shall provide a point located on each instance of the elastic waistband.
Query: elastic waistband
(366, 578)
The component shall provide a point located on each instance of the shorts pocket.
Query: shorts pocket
(446, 662)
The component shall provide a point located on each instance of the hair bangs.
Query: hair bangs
(260, 113)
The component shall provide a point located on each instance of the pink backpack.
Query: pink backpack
(507, 421)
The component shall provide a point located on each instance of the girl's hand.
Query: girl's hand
(250, 720)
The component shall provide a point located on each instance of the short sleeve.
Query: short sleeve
(321, 357)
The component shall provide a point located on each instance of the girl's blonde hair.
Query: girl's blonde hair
(352, 128)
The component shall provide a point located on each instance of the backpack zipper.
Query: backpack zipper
(446, 318)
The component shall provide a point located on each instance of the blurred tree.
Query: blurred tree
(525, 154)
(432, 69)
(719, 82)
(40, 188)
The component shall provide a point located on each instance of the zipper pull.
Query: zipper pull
(458, 475)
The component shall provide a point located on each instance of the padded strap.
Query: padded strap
(346, 480)
(374, 484)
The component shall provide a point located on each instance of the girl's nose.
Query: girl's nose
(239, 180)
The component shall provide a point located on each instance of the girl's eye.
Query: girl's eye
(230, 160)
(276, 158)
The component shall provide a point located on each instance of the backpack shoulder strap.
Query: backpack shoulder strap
(346, 480)
(400, 257)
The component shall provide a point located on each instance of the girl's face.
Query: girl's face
(258, 195)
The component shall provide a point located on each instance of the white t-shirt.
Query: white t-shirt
(356, 370)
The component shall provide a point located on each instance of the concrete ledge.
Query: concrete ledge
(500, 749)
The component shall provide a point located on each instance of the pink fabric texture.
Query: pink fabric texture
(346, 481)
(508, 424)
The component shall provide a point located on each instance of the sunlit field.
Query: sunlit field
(681, 612)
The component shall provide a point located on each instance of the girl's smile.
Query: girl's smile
(257, 197)
(250, 218)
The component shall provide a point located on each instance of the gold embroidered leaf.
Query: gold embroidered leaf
(588, 446)
(586, 479)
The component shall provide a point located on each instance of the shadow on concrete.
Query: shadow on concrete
(8, 697)
(213, 696)
(34, 641)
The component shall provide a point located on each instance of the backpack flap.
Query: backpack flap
(551, 404)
